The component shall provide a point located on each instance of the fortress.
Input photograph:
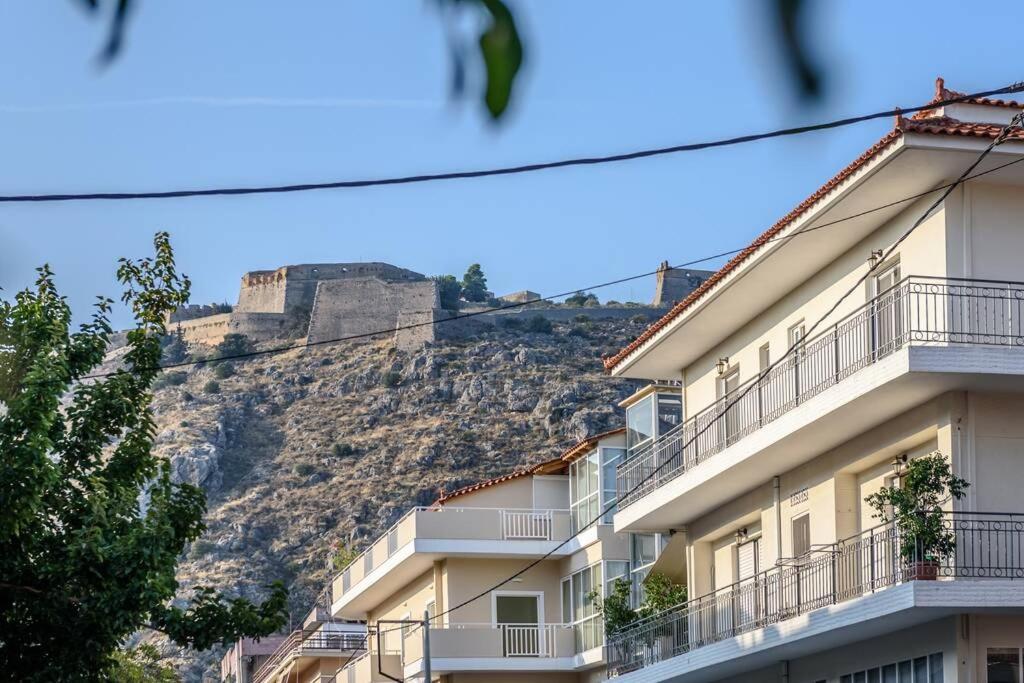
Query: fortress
(322, 301)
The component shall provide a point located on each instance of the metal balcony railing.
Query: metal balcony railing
(300, 641)
(986, 546)
(916, 311)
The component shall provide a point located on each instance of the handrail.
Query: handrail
(918, 309)
(436, 508)
(313, 639)
(984, 547)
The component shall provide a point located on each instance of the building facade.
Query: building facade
(799, 402)
(439, 563)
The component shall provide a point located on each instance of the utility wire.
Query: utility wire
(1016, 122)
(504, 170)
(460, 316)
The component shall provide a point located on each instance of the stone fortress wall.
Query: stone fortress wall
(325, 301)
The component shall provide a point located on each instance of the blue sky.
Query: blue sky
(238, 93)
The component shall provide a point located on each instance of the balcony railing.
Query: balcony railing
(986, 546)
(916, 311)
(300, 641)
(461, 523)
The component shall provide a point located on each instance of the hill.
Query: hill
(301, 450)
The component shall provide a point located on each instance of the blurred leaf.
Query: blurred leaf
(803, 70)
(117, 24)
(503, 55)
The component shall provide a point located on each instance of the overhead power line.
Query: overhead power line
(552, 297)
(504, 170)
(1015, 123)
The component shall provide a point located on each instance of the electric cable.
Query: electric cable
(552, 297)
(505, 170)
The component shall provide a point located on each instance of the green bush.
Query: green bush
(175, 350)
(581, 299)
(224, 370)
(582, 319)
(510, 323)
(391, 379)
(474, 284)
(234, 344)
(211, 387)
(303, 469)
(578, 331)
(173, 378)
(342, 450)
(539, 324)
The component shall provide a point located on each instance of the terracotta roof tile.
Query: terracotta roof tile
(546, 467)
(933, 126)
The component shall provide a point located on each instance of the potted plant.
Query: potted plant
(914, 507)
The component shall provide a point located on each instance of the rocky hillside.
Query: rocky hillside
(303, 449)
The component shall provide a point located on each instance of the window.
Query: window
(652, 416)
(610, 459)
(919, 670)
(764, 356)
(796, 335)
(431, 609)
(644, 551)
(592, 486)
(1003, 665)
(727, 384)
(640, 423)
(801, 527)
(578, 607)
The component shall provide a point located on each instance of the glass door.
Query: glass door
(888, 312)
(518, 618)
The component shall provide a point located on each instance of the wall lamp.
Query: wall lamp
(722, 365)
(898, 464)
(875, 257)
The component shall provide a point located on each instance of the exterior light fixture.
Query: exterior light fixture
(875, 257)
(741, 535)
(897, 464)
(722, 365)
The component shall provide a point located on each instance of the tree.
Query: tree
(449, 290)
(474, 284)
(234, 344)
(342, 555)
(92, 524)
(915, 507)
(175, 349)
(581, 299)
(660, 594)
(141, 665)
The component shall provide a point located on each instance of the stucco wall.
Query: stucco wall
(469, 576)
(923, 253)
(997, 430)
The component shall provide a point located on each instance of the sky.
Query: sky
(259, 93)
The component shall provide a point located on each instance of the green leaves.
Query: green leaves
(502, 52)
(93, 525)
(915, 507)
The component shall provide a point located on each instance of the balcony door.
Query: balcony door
(748, 597)
(887, 316)
(727, 386)
(519, 618)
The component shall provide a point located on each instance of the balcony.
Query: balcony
(426, 533)
(988, 546)
(919, 311)
(316, 644)
(480, 647)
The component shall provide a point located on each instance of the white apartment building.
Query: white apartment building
(790, 576)
(540, 626)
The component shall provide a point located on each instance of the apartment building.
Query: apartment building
(540, 626)
(761, 487)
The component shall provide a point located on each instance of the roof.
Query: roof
(547, 467)
(588, 444)
(929, 124)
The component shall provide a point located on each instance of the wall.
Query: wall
(675, 284)
(835, 483)
(211, 329)
(361, 306)
(984, 235)
(466, 577)
(923, 253)
(997, 432)
(293, 287)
